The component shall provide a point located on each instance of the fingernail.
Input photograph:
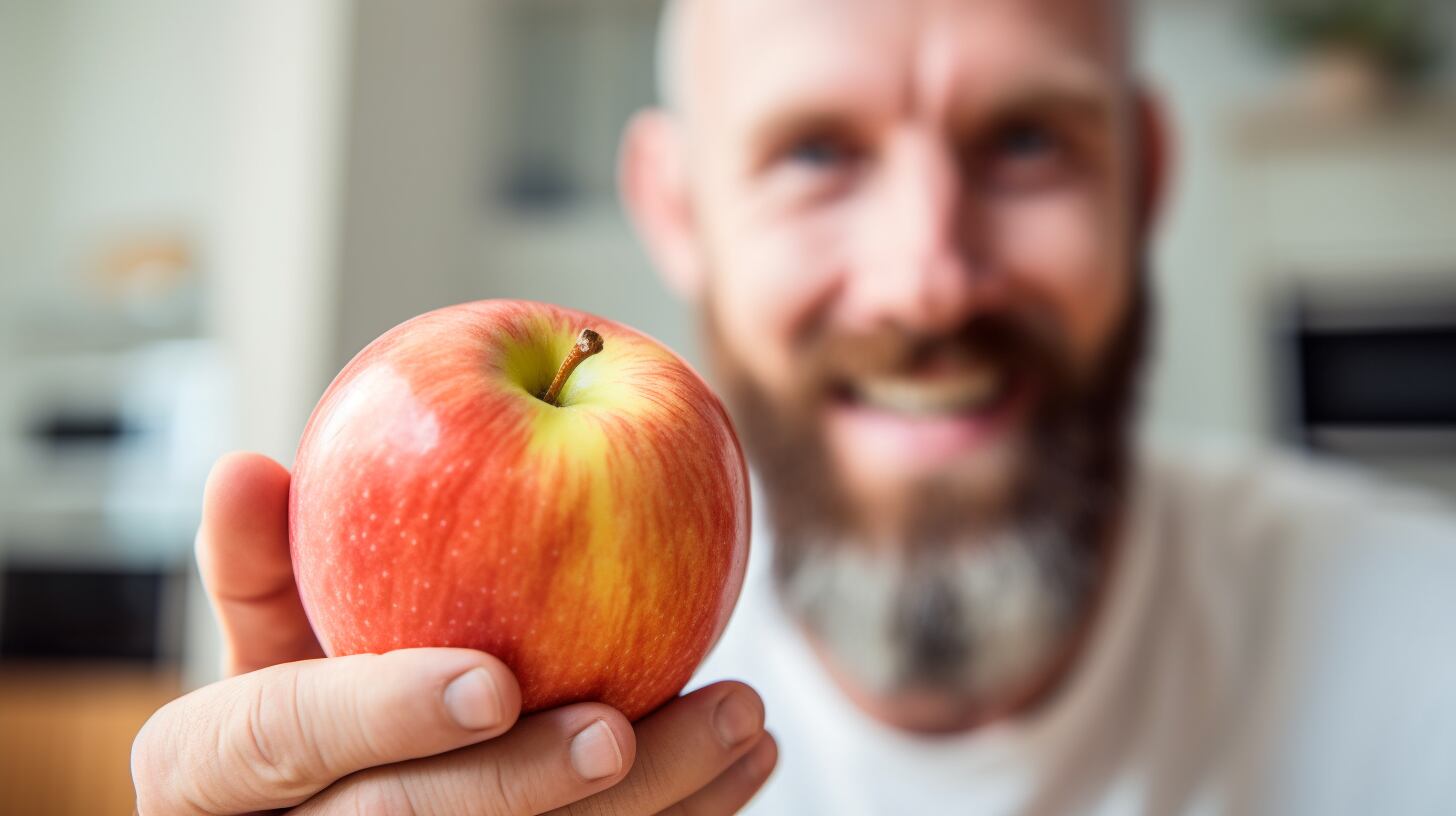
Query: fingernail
(736, 719)
(594, 752)
(473, 701)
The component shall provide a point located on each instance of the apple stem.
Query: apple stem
(587, 344)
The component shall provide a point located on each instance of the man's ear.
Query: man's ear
(1154, 160)
(653, 182)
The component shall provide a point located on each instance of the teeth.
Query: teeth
(966, 391)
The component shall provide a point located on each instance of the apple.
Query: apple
(594, 538)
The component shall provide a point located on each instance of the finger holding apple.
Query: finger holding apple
(475, 479)
(687, 758)
(385, 724)
(245, 566)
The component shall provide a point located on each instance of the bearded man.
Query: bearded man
(915, 232)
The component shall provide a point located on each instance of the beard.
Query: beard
(979, 588)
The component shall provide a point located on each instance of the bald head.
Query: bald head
(682, 23)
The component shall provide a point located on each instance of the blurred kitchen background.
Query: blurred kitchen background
(208, 206)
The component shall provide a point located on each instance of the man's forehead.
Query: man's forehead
(1090, 20)
(727, 47)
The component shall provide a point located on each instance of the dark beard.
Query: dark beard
(974, 599)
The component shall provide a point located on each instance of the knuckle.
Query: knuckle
(508, 797)
(656, 782)
(419, 790)
(598, 805)
(379, 794)
(649, 785)
(269, 739)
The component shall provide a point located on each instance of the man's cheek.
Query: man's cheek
(752, 333)
(776, 282)
(1063, 252)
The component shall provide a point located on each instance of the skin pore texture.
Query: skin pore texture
(920, 282)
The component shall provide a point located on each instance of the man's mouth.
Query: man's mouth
(966, 392)
(898, 426)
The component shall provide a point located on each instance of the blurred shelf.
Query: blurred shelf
(103, 336)
(1426, 124)
(70, 320)
(1352, 199)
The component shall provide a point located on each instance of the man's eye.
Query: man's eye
(1025, 157)
(1026, 140)
(818, 152)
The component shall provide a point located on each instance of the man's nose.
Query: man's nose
(928, 273)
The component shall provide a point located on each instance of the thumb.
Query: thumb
(242, 554)
(275, 737)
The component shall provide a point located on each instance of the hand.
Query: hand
(417, 731)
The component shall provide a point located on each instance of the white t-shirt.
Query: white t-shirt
(1280, 639)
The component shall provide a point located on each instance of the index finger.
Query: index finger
(683, 747)
(242, 553)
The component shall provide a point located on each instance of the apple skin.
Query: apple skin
(596, 548)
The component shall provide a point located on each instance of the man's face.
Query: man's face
(913, 234)
(877, 177)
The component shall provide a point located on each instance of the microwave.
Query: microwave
(1370, 375)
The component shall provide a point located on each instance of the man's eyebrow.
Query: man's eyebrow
(778, 127)
(1080, 100)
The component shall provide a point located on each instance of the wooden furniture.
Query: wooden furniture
(66, 734)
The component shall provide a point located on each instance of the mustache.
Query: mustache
(1015, 341)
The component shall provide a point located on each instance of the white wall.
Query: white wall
(277, 210)
(111, 110)
(585, 257)
(1206, 374)
(413, 153)
(27, 34)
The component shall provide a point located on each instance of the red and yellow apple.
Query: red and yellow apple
(596, 543)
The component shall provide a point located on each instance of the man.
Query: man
(914, 232)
